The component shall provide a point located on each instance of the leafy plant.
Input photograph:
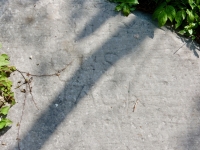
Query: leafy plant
(184, 12)
(6, 95)
(4, 122)
(125, 6)
(184, 15)
(164, 12)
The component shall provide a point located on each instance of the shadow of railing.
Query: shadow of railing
(89, 72)
(189, 139)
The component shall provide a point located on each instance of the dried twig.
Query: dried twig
(134, 107)
(46, 75)
(29, 89)
(27, 82)
(19, 123)
(179, 48)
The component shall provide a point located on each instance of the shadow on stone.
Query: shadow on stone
(90, 71)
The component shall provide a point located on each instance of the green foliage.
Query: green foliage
(163, 13)
(6, 95)
(4, 110)
(184, 15)
(125, 6)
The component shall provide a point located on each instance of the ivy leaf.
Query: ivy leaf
(182, 32)
(190, 17)
(132, 8)
(190, 31)
(180, 16)
(158, 10)
(191, 3)
(134, 2)
(5, 122)
(4, 60)
(2, 124)
(8, 122)
(171, 12)
(126, 10)
(118, 8)
(183, 14)
(162, 18)
(4, 110)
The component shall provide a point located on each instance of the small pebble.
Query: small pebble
(136, 36)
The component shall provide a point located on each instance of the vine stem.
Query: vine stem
(19, 124)
(46, 75)
(29, 86)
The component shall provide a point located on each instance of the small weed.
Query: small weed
(6, 95)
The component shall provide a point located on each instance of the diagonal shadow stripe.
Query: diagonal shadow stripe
(79, 85)
(75, 90)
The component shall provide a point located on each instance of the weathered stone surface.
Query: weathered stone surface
(124, 89)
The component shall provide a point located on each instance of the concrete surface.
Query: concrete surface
(118, 64)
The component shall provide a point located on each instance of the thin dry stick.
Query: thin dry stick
(134, 107)
(179, 48)
(28, 82)
(19, 124)
(20, 85)
(45, 75)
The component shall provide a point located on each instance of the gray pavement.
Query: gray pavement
(123, 89)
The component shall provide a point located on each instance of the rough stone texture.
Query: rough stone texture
(124, 89)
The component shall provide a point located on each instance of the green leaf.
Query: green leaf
(190, 31)
(126, 10)
(5, 122)
(4, 60)
(118, 8)
(4, 110)
(183, 13)
(162, 18)
(2, 124)
(134, 2)
(190, 17)
(197, 18)
(156, 13)
(8, 122)
(171, 12)
(132, 8)
(158, 10)
(5, 56)
(13, 102)
(180, 16)
(182, 32)
(191, 3)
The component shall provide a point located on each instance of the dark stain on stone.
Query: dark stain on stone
(29, 20)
